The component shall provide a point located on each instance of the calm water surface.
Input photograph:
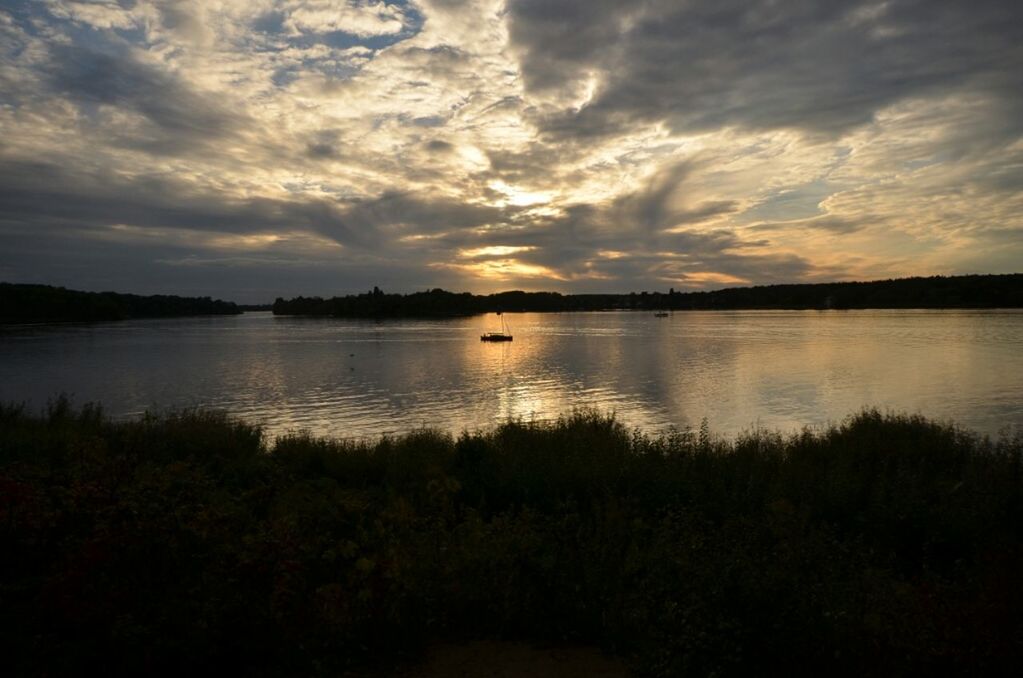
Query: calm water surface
(774, 369)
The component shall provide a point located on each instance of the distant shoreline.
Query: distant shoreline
(938, 292)
(36, 304)
(639, 311)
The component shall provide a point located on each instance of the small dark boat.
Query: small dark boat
(661, 314)
(503, 335)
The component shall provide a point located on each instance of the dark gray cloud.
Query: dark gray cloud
(56, 196)
(439, 146)
(90, 78)
(48, 194)
(417, 214)
(818, 66)
(832, 224)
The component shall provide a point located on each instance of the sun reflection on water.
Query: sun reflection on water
(356, 378)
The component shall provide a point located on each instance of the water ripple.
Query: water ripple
(355, 378)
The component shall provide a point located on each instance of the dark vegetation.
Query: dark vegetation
(968, 291)
(889, 545)
(44, 303)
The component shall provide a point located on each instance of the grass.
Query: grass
(888, 545)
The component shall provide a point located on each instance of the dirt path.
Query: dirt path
(493, 659)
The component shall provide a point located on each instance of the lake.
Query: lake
(736, 369)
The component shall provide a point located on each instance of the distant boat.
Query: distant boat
(661, 314)
(503, 335)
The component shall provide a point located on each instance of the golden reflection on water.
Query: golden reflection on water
(502, 368)
(782, 369)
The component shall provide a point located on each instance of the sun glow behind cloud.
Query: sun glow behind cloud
(493, 251)
(562, 144)
(505, 270)
(517, 196)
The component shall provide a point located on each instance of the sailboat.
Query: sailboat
(503, 335)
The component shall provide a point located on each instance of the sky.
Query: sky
(249, 149)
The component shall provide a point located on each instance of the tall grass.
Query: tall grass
(887, 545)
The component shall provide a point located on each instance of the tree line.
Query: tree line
(967, 291)
(45, 303)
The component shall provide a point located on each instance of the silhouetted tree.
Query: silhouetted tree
(970, 291)
(43, 303)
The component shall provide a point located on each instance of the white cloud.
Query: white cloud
(361, 18)
(96, 13)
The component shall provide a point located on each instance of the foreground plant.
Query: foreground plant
(888, 545)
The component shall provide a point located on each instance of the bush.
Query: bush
(189, 542)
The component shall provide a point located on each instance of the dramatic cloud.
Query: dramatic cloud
(250, 148)
(814, 66)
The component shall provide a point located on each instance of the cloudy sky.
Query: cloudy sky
(255, 148)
